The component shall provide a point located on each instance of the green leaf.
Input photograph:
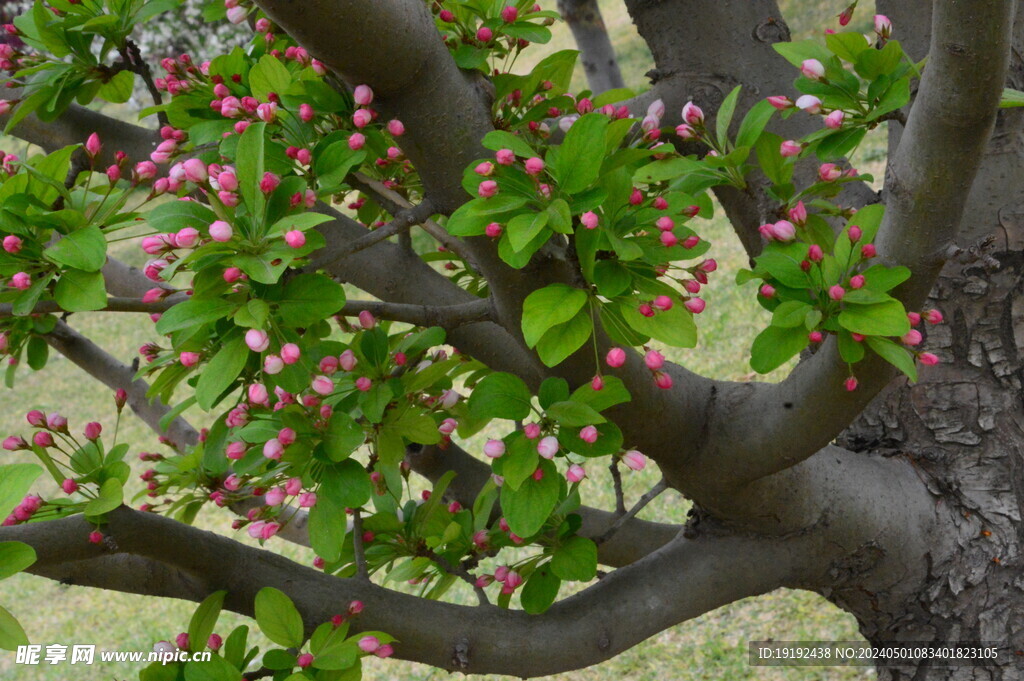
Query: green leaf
(214, 669)
(882, 278)
(110, 497)
(798, 51)
(894, 354)
(575, 560)
(562, 340)
(519, 461)
(310, 298)
(249, 161)
(204, 619)
(724, 117)
(175, 215)
(847, 45)
(38, 352)
(790, 313)
(674, 327)
(79, 291)
(500, 395)
(552, 389)
(574, 414)
(1011, 98)
(269, 75)
(524, 228)
(754, 123)
(850, 350)
(335, 162)
(278, 619)
(327, 527)
(84, 249)
(343, 436)
(119, 88)
(527, 508)
(774, 346)
(192, 313)
(15, 481)
(581, 153)
(500, 139)
(548, 307)
(15, 556)
(540, 590)
(221, 372)
(11, 633)
(839, 144)
(347, 483)
(614, 392)
(879, 319)
(472, 217)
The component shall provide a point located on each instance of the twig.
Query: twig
(115, 304)
(461, 573)
(133, 57)
(647, 498)
(401, 223)
(394, 203)
(357, 545)
(260, 673)
(620, 499)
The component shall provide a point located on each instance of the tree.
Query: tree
(569, 232)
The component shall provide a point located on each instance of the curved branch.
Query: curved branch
(682, 580)
(405, 219)
(927, 184)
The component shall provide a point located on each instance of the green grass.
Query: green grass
(711, 647)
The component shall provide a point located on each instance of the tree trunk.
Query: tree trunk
(596, 52)
(962, 425)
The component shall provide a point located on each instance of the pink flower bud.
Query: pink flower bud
(828, 172)
(780, 102)
(220, 231)
(93, 145)
(368, 644)
(513, 579)
(815, 336)
(668, 239)
(232, 483)
(267, 112)
(235, 450)
(487, 189)
(857, 281)
(836, 292)
(494, 448)
(548, 447)
(14, 443)
(814, 253)
(42, 439)
(912, 337)
(269, 182)
(634, 460)
(237, 14)
(274, 496)
(531, 431)
(69, 486)
(258, 394)
(654, 360)
(363, 95)
(928, 359)
(932, 316)
(589, 434)
(21, 281)
(616, 357)
(813, 69)
(662, 380)
(195, 171)
(486, 169)
(783, 230)
(883, 27)
(809, 103)
(509, 14)
(589, 219)
(834, 120)
(534, 165)
(113, 174)
(93, 430)
(693, 114)
(363, 384)
(347, 360)
(790, 148)
(295, 238)
(322, 385)
(36, 419)
(273, 449)
(484, 34)
(214, 642)
(663, 303)
(868, 251)
(854, 233)
(575, 473)
(356, 141)
(493, 230)
(685, 131)
(367, 320)
(12, 244)
(695, 305)
(850, 384)
(232, 274)
(257, 340)
(189, 359)
(304, 660)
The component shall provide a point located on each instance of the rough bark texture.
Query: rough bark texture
(961, 425)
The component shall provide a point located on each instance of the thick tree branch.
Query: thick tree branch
(596, 52)
(76, 124)
(680, 581)
(927, 184)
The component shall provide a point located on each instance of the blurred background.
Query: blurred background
(710, 647)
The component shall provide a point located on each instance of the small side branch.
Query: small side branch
(647, 498)
(445, 316)
(620, 499)
(460, 572)
(357, 545)
(401, 223)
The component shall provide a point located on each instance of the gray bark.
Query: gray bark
(596, 52)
